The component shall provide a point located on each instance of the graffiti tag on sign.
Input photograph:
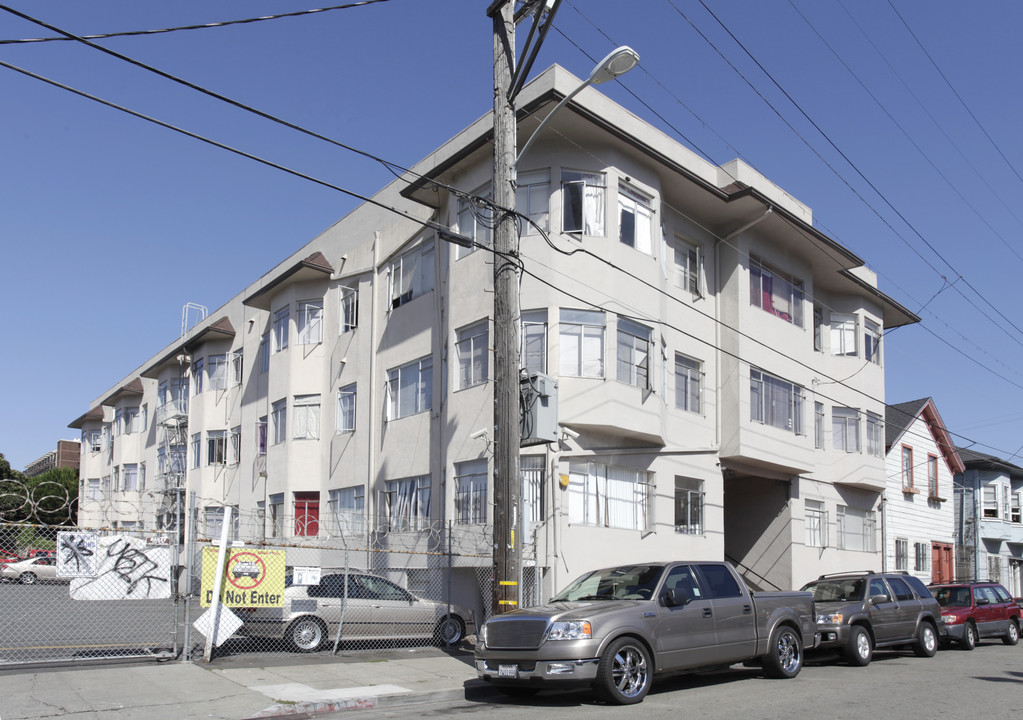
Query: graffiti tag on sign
(127, 569)
(77, 554)
(252, 578)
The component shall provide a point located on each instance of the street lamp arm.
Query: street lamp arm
(615, 64)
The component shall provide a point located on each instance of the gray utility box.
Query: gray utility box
(538, 409)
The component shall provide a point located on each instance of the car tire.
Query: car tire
(449, 631)
(27, 578)
(306, 634)
(784, 658)
(625, 672)
(926, 640)
(1011, 636)
(969, 640)
(859, 649)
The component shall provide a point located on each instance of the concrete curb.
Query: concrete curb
(473, 690)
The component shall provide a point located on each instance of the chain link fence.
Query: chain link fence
(286, 584)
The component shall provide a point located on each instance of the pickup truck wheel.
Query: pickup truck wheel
(1011, 636)
(785, 656)
(624, 673)
(926, 641)
(969, 640)
(859, 649)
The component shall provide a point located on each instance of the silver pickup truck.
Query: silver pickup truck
(616, 628)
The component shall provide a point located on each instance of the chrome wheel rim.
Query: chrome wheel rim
(306, 635)
(788, 652)
(630, 672)
(930, 639)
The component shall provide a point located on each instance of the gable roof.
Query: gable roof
(898, 418)
(982, 461)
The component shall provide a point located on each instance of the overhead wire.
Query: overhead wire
(202, 26)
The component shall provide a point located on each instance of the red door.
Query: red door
(307, 514)
(941, 563)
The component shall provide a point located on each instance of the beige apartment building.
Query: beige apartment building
(718, 360)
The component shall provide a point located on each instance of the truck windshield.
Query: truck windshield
(837, 590)
(629, 582)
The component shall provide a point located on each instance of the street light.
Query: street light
(617, 62)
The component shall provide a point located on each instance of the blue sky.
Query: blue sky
(896, 122)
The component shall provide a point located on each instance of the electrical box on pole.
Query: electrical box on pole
(538, 409)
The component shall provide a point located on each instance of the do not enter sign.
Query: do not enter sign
(254, 578)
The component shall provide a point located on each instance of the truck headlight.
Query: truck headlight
(830, 619)
(573, 630)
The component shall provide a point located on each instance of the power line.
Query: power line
(203, 26)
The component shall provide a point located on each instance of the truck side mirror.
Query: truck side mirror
(878, 599)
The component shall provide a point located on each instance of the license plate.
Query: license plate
(508, 671)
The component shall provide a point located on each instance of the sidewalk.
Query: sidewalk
(280, 687)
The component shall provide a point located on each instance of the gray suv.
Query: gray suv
(860, 611)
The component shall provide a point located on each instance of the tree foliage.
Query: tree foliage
(47, 499)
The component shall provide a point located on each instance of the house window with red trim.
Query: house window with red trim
(307, 514)
(932, 476)
(907, 468)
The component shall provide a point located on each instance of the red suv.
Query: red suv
(975, 610)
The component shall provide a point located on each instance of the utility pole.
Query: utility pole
(507, 546)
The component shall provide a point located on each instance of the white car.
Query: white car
(376, 609)
(31, 570)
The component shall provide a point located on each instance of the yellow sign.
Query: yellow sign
(252, 578)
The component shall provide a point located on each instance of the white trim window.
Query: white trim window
(310, 322)
(471, 348)
(197, 374)
(871, 341)
(197, 450)
(533, 469)
(845, 429)
(843, 335)
(279, 419)
(471, 492)
(815, 524)
(610, 496)
(406, 504)
(1014, 508)
(261, 426)
(117, 478)
(276, 507)
(347, 508)
(689, 501)
(533, 199)
(635, 220)
(216, 372)
(131, 420)
(857, 529)
(411, 274)
(410, 388)
(95, 441)
(280, 329)
(349, 308)
(216, 447)
(534, 341)
(776, 402)
(685, 264)
(688, 384)
(775, 292)
(94, 489)
(237, 366)
(118, 422)
(581, 343)
(305, 413)
(818, 328)
(264, 353)
(989, 498)
(234, 445)
(634, 353)
(142, 476)
(475, 220)
(213, 517)
(583, 199)
(346, 409)
(901, 554)
(131, 476)
(875, 435)
(922, 555)
(818, 425)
